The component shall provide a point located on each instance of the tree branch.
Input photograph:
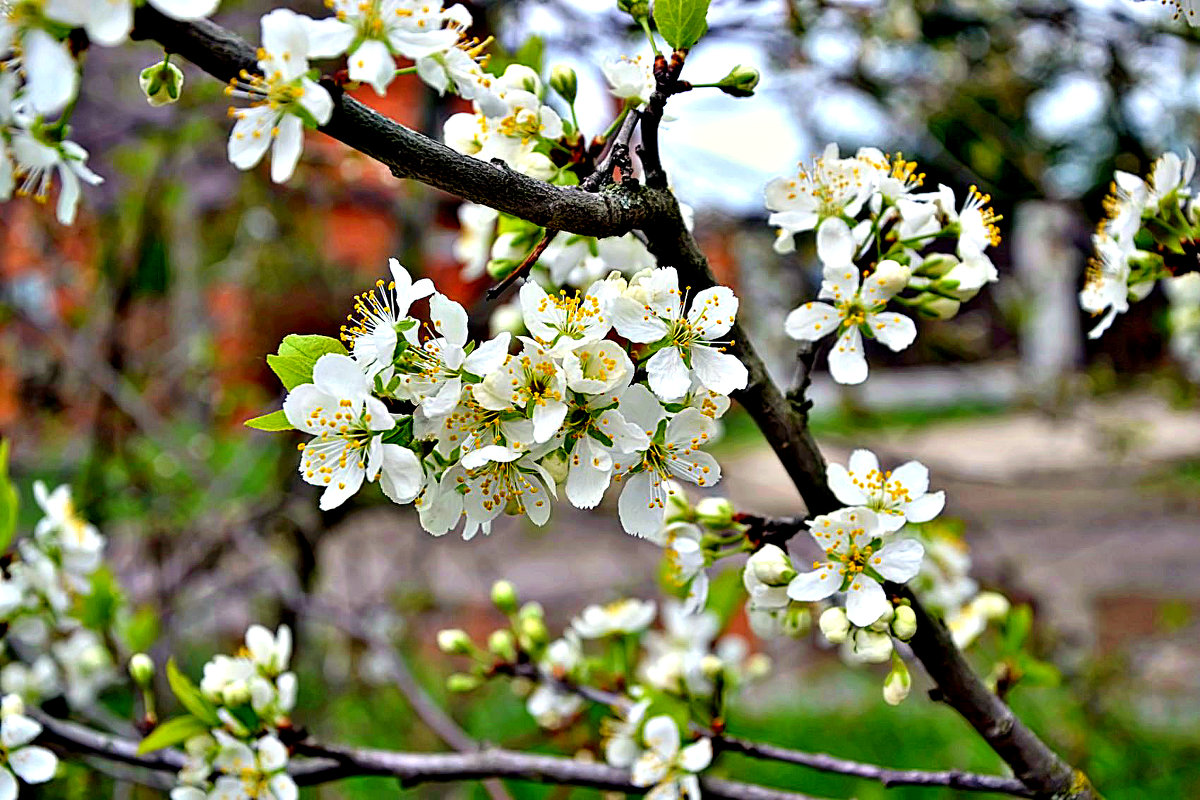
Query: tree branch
(409, 154)
(653, 210)
(336, 763)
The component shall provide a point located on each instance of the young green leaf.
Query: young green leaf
(293, 364)
(189, 695)
(681, 22)
(174, 731)
(275, 421)
(8, 500)
(291, 370)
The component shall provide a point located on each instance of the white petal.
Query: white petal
(668, 375)
(272, 755)
(811, 321)
(842, 486)
(862, 463)
(316, 100)
(8, 785)
(17, 729)
(713, 311)
(33, 764)
(636, 321)
(661, 735)
(894, 330)
(865, 601)
(402, 477)
(639, 406)
(926, 507)
(372, 63)
(899, 561)
(588, 477)
(289, 142)
(283, 787)
(847, 364)
(251, 136)
(548, 417)
(696, 756)
(723, 373)
(835, 243)
(68, 195)
(52, 75)
(640, 513)
(341, 377)
(448, 318)
(110, 21)
(187, 9)
(816, 585)
(341, 488)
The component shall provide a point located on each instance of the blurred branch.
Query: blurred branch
(336, 763)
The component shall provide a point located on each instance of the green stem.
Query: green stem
(616, 123)
(406, 71)
(645, 23)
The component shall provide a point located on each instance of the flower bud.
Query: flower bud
(503, 645)
(905, 623)
(533, 633)
(556, 464)
(236, 693)
(141, 669)
(885, 619)
(897, 683)
(796, 621)
(638, 9)
(992, 605)
(162, 83)
(532, 609)
(871, 646)
(504, 596)
(564, 81)
(834, 624)
(462, 682)
(935, 306)
(711, 666)
(715, 512)
(454, 641)
(771, 565)
(890, 277)
(507, 319)
(12, 704)
(740, 82)
(758, 666)
(937, 265)
(678, 508)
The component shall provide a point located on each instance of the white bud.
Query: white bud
(872, 647)
(771, 565)
(141, 669)
(834, 624)
(236, 693)
(758, 666)
(557, 465)
(454, 641)
(715, 512)
(897, 683)
(905, 623)
(885, 620)
(507, 319)
(711, 666)
(890, 277)
(12, 704)
(992, 605)
(796, 621)
(564, 81)
(937, 307)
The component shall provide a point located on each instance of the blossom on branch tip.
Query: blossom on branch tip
(897, 496)
(284, 99)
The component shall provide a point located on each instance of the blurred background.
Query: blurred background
(132, 348)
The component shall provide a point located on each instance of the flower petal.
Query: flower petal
(896, 331)
(722, 373)
(899, 561)
(289, 143)
(926, 507)
(842, 486)
(33, 764)
(847, 364)
(668, 374)
(865, 601)
(811, 321)
(835, 243)
(816, 585)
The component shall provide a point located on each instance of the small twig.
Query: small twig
(666, 78)
(523, 268)
(617, 155)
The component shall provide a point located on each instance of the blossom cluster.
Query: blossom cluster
(463, 428)
(241, 704)
(1150, 226)
(48, 650)
(39, 81)
(866, 209)
(614, 645)
(19, 759)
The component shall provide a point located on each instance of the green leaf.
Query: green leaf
(139, 630)
(174, 731)
(98, 608)
(8, 500)
(402, 434)
(726, 595)
(681, 22)
(189, 695)
(293, 364)
(1017, 627)
(275, 421)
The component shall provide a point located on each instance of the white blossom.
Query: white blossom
(37, 161)
(670, 769)
(897, 496)
(63, 529)
(252, 771)
(19, 758)
(831, 188)
(619, 617)
(283, 99)
(51, 74)
(857, 563)
(373, 332)
(630, 79)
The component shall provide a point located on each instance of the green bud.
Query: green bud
(557, 465)
(454, 641)
(797, 621)
(503, 645)
(936, 265)
(532, 609)
(498, 268)
(162, 83)
(504, 596)
(564, 81)
(462, 682)
(897, 683)
(638, 9)
(141, 669)
(905, 623)
(740, 82)
(678, 508)
(834, 624)
(715, 512)
(533, 633)
(935, 306)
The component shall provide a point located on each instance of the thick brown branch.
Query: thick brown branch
(409, 154)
